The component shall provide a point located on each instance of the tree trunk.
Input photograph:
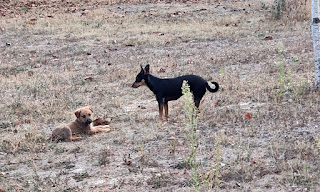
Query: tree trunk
(315, 38)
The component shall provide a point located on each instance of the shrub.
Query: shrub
(291, 11)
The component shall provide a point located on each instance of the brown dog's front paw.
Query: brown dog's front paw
(75, 138)
(100, 121)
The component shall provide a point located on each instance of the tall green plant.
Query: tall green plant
(191, 121)
(282, 74)
(286, 81)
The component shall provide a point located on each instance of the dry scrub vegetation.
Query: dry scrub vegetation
(258, 133)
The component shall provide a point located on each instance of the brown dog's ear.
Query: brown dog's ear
(77, 113)
(147, 69)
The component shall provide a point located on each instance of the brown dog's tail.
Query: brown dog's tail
(216, 88)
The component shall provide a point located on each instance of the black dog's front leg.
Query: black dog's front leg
(160, 111)
(161, 105)
(166, 110)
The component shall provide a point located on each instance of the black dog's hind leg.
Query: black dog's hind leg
(197, 96)
(197, 103)
(197, 100)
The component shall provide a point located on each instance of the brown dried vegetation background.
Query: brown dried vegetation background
(258, 133)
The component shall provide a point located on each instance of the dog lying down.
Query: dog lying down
(82, 125)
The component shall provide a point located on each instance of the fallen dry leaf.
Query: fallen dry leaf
(268, 38)
(248, 116)
(162, 70)
(88, 79)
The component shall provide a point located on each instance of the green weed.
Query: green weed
(191, 122)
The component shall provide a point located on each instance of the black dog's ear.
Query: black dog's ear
(142, 70)
(147, 69)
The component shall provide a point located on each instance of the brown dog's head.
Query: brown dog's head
(100, 121)
(84, 114)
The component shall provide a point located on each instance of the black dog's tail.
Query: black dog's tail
(216, 88)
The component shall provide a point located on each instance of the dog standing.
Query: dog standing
(170, 89)
(82, 125)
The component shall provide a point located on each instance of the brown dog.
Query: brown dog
(82, 125)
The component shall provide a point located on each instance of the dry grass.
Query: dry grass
(260, 132)
(299, 10)
(289, 10)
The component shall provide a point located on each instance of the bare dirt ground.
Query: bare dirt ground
(258, 133)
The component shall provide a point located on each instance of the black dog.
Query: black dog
(170, 89)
